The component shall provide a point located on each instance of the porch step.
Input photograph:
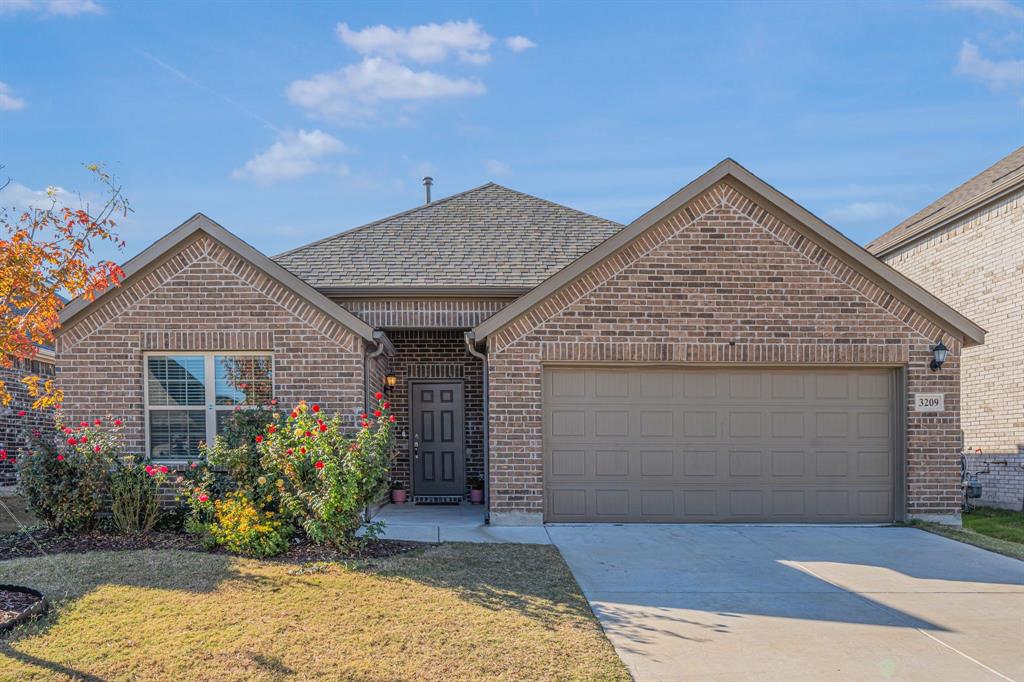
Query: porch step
(437, 499)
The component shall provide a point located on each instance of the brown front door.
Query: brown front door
(438, 439)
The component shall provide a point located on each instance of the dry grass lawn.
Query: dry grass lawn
(455, 611)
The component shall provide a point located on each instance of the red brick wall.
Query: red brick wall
(721, 281)
(204, 297)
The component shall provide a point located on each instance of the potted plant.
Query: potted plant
(476, 490)
(397, 492)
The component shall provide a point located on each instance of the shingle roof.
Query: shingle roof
(1004, 174)
(491, 236)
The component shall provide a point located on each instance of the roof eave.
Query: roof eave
(940, 313)
(200, 223)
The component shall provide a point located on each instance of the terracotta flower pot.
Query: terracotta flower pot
(398, 497)
(476, 496)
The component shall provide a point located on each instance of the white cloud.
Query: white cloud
(865, 211)
(50, 8)
(497, 168)
(352, 91)
(519, 43)
(425, 43)
(1002, 8)
(293, 156)
(998, 75)
(17, 195)
(8, 102)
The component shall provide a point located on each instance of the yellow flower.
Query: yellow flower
(262, 480)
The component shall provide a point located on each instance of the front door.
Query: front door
(438, 439)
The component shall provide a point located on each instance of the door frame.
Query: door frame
(411, 383)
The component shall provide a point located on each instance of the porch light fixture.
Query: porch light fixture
(390, 381)
(939, 354)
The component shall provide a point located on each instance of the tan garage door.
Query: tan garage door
(685, 445)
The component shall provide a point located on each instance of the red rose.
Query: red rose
(97, 422)
(291, 451)
(68, 429)
(72, 441)
(194, 464)
(259, 439)
(60, 458)
(295, 415)
(366, 424)
(13, 460)
(273, 401)
(83, 424)
(153, 472)
(386, 404)
(204, 497)
(271, 428)
(3, 454)
(303, 449)
(323, 427)
(377, 413)
(163, 470)
(83, 439)
(149, 468)
(316, 408)
(118, 422)
(96, 449)
(378, 395)
(391, 419)
(319, 464)
(308, 434)
(21, 413)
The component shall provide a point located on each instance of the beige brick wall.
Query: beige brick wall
(204, 297)
(721, 281)
(976, 265)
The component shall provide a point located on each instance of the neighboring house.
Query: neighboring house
(967, 248)
(725, 357)
(13, 425)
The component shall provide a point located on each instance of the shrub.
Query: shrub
(134, 495)
(325, 479)
(243, 527)
(64, 482)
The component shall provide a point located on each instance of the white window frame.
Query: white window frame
(210, 407)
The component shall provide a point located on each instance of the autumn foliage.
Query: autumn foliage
(47, 252)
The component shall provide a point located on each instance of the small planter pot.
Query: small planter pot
(398, 496)
(37, 608)
(476, 496)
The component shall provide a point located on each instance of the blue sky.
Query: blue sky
(289, 122)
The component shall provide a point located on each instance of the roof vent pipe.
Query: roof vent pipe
(428, 182)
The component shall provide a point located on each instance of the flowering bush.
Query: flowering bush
(134, 494)
(325, 479)
(243, 527)
(64, 478)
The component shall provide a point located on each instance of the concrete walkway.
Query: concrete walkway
(451, 523)
(800, 603)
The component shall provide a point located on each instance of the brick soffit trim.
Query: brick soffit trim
(906, 300)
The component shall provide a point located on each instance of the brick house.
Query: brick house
(725, 357)
(967, 248)
(12, 422)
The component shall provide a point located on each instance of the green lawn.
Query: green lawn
(997, 530)
(448, 612)
(1003, 524)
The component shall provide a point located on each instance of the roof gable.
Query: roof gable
(828, 237)
(168, 244)
(490, 237)
(1006, 175)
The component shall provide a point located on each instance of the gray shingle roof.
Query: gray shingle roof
(1007, 171)
(491, 236)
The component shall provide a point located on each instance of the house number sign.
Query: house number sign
(929, 402)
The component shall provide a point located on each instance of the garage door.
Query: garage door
(684, 445)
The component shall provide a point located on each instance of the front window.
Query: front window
(190, 395)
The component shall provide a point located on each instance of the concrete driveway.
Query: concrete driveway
(800, 603)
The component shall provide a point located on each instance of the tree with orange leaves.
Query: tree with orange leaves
(47, 252)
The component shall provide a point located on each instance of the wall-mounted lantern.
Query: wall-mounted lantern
(939, 354)
(390, 381)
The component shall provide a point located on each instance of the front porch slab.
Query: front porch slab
(451, 523)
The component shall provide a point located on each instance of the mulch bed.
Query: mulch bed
(17, 545)
(13, 603)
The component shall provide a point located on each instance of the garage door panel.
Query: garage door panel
(704, 445)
